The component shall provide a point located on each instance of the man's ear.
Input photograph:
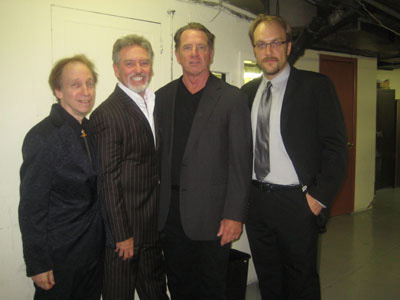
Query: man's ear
(289, 48)
(116, 70)
(178, 59)
(59, 94)
(211, 57)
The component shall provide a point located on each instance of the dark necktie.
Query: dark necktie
(261, 152)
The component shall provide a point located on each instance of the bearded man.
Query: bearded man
(127, 142)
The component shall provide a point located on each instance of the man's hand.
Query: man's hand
(229, 230)
(125, 249)
(44, 280)
(314, 205)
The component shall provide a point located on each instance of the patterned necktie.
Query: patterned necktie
(261, 153)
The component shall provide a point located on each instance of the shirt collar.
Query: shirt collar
(69, 119)
(280, 79)
(148, 94)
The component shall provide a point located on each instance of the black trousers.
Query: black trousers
(144, 272)
(196, 270)
(283, 238)
(74, 283)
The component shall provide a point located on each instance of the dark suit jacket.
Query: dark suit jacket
(216, 165)
(59, 213)
(129, 177)
(313, 132)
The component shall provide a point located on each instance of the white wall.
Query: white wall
(366, 128)
(26, 59)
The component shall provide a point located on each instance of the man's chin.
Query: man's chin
(138, 88)
(271, 72)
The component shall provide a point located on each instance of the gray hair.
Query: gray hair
(131, 40)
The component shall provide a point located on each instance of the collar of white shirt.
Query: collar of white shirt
(145, 104)
(282, 78)
(147, 100)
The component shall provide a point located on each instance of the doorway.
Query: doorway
(343, 73)
(76, 31)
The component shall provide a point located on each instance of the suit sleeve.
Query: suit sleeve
(333, 140)
(108, 140)
(239, 159)
(35, 189)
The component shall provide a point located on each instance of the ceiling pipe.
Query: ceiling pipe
(383, 8)
(267, 7)
(277, 8)
(319, 28)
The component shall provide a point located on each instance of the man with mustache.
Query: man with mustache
(127, 141)
(300, 153)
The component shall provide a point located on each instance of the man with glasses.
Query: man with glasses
(299, 142)
(205, 169)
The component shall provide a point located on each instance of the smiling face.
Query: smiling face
(77, 92)
(194, 53)
(134, 68)
(271, 60)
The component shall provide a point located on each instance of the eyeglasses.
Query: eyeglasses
(273, 45)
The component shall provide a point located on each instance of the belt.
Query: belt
(270, 187)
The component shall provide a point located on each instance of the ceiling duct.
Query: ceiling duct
(319, 28)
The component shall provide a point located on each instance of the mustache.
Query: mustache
(138, 74)
(265, 59)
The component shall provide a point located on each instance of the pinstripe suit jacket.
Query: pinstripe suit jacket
(129, 176)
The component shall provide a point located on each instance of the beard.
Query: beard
(138, 88)
(271, 69)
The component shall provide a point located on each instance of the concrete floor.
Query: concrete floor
(360, 253)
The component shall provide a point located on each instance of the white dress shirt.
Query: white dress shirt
(281, 167)
(145, 104)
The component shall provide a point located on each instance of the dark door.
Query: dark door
(343, 72)
(385, 139)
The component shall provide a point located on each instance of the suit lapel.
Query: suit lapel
(131, 108)
(207, 103)
(169, 115)
(253, 91)
(289, 97)
(157, 131)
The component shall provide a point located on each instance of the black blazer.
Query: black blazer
(313, 132)
(129, 173)
(59, 214)
(216, 165)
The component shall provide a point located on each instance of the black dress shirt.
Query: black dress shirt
(186, 105)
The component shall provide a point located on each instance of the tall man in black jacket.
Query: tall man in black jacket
(205, 169)
(299, 141)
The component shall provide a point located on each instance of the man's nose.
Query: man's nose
(268, 49)
(85, 89)
(195, 51)
(137, 67)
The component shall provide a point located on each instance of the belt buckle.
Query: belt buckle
(266, 187)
